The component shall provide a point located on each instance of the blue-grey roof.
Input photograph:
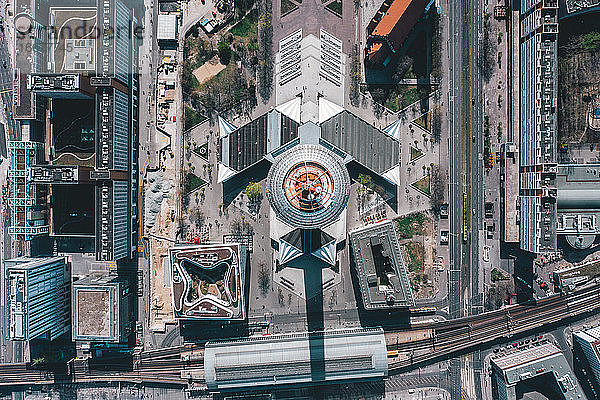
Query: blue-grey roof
(368, 145)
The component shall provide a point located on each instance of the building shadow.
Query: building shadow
(235, 185)
(575, 255)
(584, 373)
(313, 284)
(412, 47)
(381, 185)
(203, 331)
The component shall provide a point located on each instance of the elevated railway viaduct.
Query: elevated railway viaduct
(407, 349)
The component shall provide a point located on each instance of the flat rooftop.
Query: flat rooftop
(98, 307)
(208, 281)
(73, 132)
(74, 47)
(380, 267)
(93, 312)
(539, 368)
(167, 27)
(25, 263)
(589, 269)
(73, 210)
(392, 16)
(519, 356)
(296, 358)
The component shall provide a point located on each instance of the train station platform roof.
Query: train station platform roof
(300, 358)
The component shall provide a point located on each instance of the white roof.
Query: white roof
(591, 335)
(292, 358)
(167, 27)
(393, 130)
(328, 109)
(224, 173)
(291, 108)
(393, 175)
(327, 253)
(287, 252)
(225, 127)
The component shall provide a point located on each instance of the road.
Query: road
(476, 182)
(455, 167)
(9, 351)
(148, 61)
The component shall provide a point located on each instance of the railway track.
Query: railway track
(11, 374)
(500, 325)
(433, 340)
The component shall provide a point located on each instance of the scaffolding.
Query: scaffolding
(29, 216)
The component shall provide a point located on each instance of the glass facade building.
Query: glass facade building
(38, 297)
(538, 83)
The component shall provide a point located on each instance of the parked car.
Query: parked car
(444, 210)
(444, 237)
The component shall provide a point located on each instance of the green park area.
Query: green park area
(414, 253)
(411, 225)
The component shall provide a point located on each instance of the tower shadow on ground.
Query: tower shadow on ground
(313, 289)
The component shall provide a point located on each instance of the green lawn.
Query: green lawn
(202, 150)
(411, 225)
(247, 27)
(424, 121)
(191, 118)
(415, 153)
(192, 182)
(497, 275)
(423, 185)
(402, 97)
(287, 7)
(336, 7)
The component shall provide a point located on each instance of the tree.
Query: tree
(379, 95)
(366, 180)
(253, 191)
(486, 57)
(436, 125)
(264, 280)
(437, 182)
(402, 67)
(356, 78)
(188, 80)
(197, 216)
(241, 227)
(224, 52)
(37, 362)
(591, 41)
(265, 51)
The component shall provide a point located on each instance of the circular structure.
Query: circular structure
(581, 242)
(23, 24)
(308, 186)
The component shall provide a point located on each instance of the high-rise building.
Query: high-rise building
(102, 309)
(588, 341)
(538, 84)
(76, 97)
(37, 292)
(537, 369)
